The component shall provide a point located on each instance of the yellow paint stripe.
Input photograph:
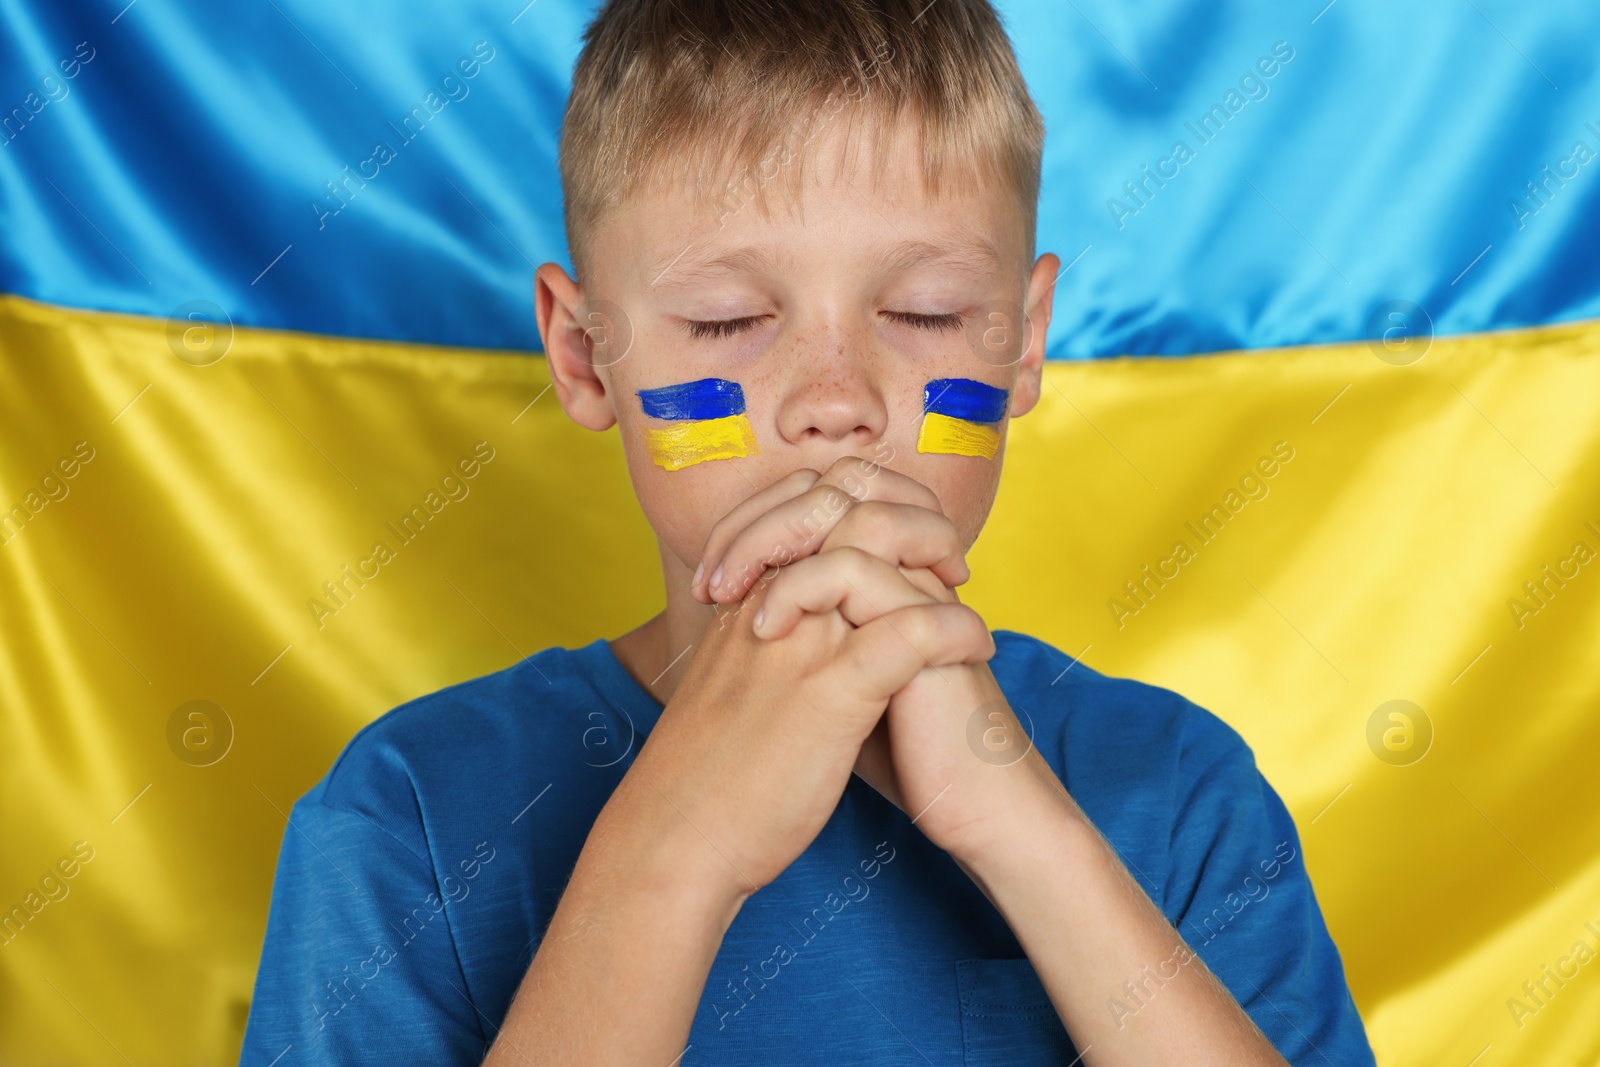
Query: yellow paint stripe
(686, 443)
(957, 437)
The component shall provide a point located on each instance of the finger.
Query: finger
(930, 583)
(785, 488)
(802, 521)
(797, 526)
(880, 658)
(905, 535)
(859, 585)
(860, 478)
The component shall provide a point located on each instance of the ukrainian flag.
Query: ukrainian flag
(1318, 448)
(961, 417)
(708, 422)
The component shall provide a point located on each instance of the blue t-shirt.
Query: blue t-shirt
(417, 878)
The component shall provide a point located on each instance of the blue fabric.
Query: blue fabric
(225, 152)
(417, 878)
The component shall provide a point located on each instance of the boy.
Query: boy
(862, 829)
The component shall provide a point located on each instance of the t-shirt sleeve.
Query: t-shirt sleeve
(1239, 894)
(359, 964)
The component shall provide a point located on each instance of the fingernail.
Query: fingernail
(698, 571)
(759, 614)
(716, 575)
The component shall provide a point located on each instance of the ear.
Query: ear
(570, 330)
(1030, 368)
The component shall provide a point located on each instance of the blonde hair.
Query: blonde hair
(732, 87)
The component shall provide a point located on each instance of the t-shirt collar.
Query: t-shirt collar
(619, 688)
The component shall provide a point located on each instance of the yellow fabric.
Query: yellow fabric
(684, 444)
(1374, 565)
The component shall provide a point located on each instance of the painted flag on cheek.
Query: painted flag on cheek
(961, 417)
(708, 422)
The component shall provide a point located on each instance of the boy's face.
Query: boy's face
(832, 319)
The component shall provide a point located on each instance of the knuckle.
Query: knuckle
(948, 625)
(852, 561)
(870, 521)
(958, 620)
(823, 505)
(801, 480)
(844, 465)
(975, 629)
(918, 624)
(834, 502)
(858, 483)
(939, 635)
(876, 515)
(930, 498)
(926, 582)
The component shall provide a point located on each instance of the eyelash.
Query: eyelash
(937, 323)
(718, 327)
(728, 327)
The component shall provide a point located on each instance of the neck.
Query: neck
(657, 652)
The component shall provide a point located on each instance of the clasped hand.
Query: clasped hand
(854, 654)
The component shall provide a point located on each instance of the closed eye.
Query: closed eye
(711, 328)
(720, 327)
(936, 323)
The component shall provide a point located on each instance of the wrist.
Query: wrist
(1032, 814)
(650, 844)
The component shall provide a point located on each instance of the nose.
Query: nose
(833, 398)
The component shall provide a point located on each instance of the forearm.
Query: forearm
(1098, 941)
(639, 925)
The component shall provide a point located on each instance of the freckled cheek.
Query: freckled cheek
(965, 486)
(682, 505)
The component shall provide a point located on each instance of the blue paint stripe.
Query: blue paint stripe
(963, 398)
(708, 398)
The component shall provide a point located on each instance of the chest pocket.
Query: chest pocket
(1007, 1019)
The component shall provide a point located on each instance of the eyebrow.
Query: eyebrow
(968, 252)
